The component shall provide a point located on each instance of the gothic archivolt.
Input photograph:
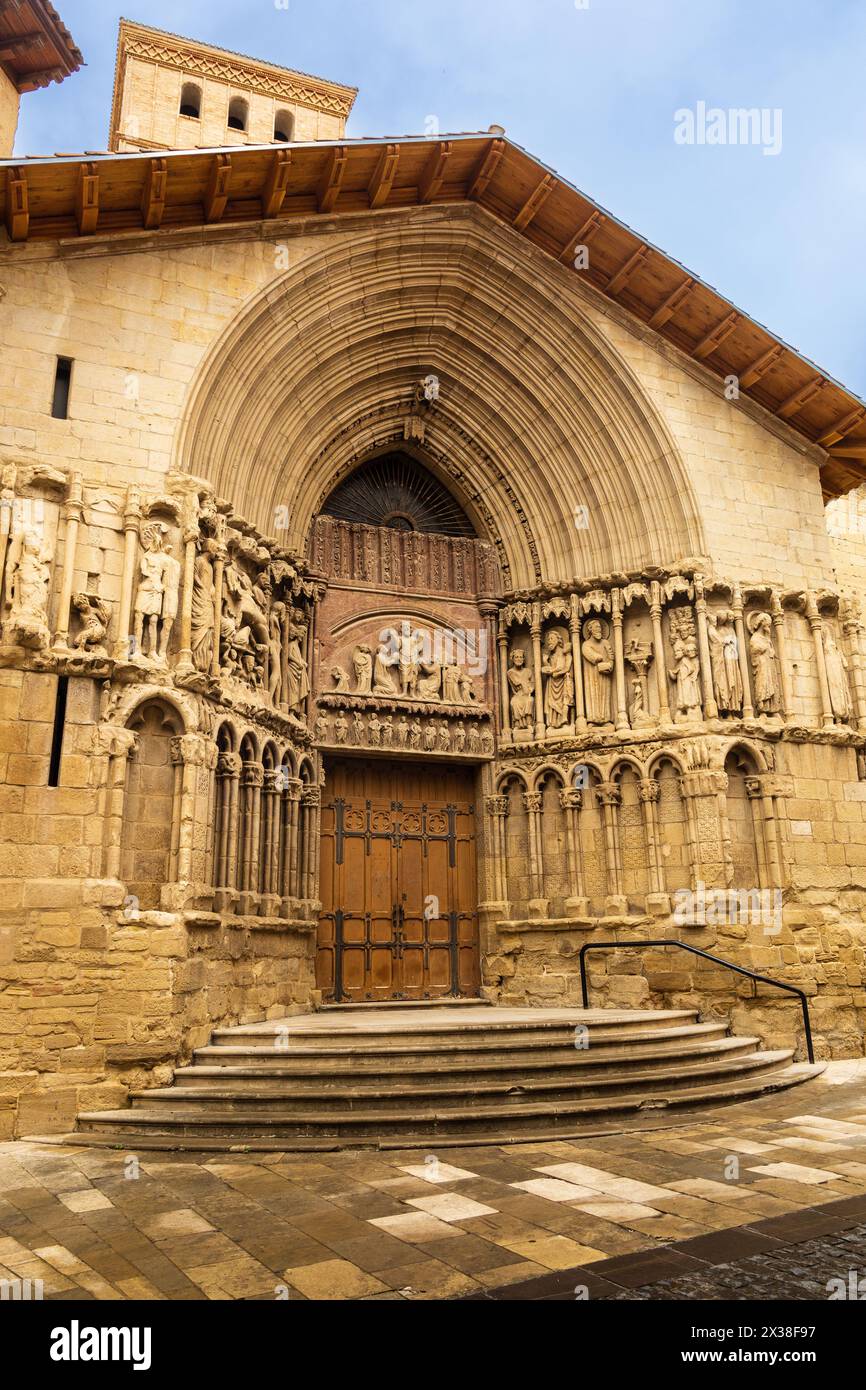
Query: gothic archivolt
(331, 354)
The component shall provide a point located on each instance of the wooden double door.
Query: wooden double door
(398, 882)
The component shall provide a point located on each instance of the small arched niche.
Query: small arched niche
(284, 127)
(149, 804)
(239, 113)
(190, 101)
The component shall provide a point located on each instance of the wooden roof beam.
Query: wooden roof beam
(593, 224)
(14, 44)
(849, 451)
(87, 199)
(434, 174)
(761, 365)
(490, 162)
(626, 271)
(217, 192)
(534, 203)
(716, 336)
(382, 182)
(673, 302)
(274, 191)
(17, 205)
(801, 397)
(331, 181)
(153, 193)
(842, 427)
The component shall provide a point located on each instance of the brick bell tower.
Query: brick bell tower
(172, 93)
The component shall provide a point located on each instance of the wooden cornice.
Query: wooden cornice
(87, 196)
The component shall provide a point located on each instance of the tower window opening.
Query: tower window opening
(190, 101)
(57, 733)
(62, 387)
(238, 113)
(284, 126)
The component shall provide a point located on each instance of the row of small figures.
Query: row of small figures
(431, 736)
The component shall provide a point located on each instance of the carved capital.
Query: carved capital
(649, 789)
(496, 805)
(532, 802)
(608, 794)
(570, 799)
(754, 788)
(252, 775)
(193, 749)
(115, 741)
(311, 796)
(229, 765)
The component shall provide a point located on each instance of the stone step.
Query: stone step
(429, 1032)
(284, 1100)
(391, 1005)
(402, 1047)
(385, 1072)
(212, 1130)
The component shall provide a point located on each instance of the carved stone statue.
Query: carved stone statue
(556, 671)
(358, 732)
(362, 664)
(474, 739)
(725, 662)
(467, 689)
(95, 616)
(323, 727)
(487, 744)
(459, 741)
(429, 681)
(388, 732)
(156, 600)
(430, 736)
(837, 678)
(383, 680)
(522, 684)
(340, 679)
(298, 676)
(202, 613)
(687, 675)
(415, 732)
(598, 656)
(403, 733)
(375, 731)
(28, 577)
(275, 651)
(451, 685)
(444, 738)
(341, 728)
(764, 670)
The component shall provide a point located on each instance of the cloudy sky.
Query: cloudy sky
(591, 87)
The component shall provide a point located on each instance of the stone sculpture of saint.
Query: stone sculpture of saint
(474, 739)
(95, 617)
(156, 600)
(340, 679)
(298, 676)
(522, 684)
(598, 656)
(383, 680)
(764, 671)
(725, 662)
(375, 732)
(558, 680)
(687, 675)
(415, 732)
(444, 738)
(362, 663)
(341, 728)
(430, 737)
(451, 685)
(202, 613)
(28, 580)
(429, 686)
(275, 651)
(388, 732)
(837, 678)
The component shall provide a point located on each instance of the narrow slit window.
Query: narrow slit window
(62, 386)
(59, 727)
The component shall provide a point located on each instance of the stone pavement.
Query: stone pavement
(99, 1224)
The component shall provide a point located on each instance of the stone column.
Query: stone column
(756, 806)
(252, 778)
(294, 872)
(270, 844)
(73, 514)
(574, 627)
(661, 663)
(497, 812)
(219, 569)
(120, 744)
(852, 630)
(711, 709)
(311, 803)
(649, 791)
(577, 903)
(192, 755)
(184, 656)
(778, 615)
(743, 653)
(817, 626)
(131, 526)
(505, 691)
(540, 728)
(622, 724)
(533, 804)
(760, 793)
(609, 797)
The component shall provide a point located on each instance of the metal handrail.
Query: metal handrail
(696, 951)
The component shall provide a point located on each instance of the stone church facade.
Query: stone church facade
(408, 576)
